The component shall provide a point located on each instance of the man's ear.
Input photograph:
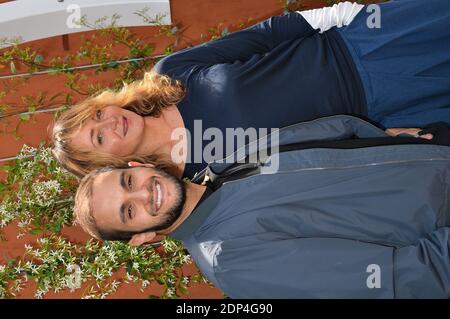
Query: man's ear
(142, 238)
(137, 164)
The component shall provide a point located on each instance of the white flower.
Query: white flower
(104, 295)
(185, 281)
(18, 288)
(44, 192)
(34, 269)
(112, 256)
(145, 283)
(115, 284)
(26, 151)
(54, 253)
(60, 170)
(136, 266)
(187, 259)
(169, 292)
(133, 252)
(39, 294)
(43, 241)
(98, 276)
(23, 223)
(45, 155)
(130, 277)
(27, 175)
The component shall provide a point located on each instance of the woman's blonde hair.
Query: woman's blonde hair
(146, 97)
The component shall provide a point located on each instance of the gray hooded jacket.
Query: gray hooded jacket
(370, 222)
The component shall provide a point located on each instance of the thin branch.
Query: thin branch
(80, 67)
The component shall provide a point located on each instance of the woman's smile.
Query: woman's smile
(125, 126)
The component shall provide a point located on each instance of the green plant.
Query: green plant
(37, 193)
(56, 264)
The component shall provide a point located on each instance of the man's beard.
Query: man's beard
(171, 216)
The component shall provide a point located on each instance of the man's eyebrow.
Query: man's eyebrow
(122, 213)
(122, 207)
(122, 180)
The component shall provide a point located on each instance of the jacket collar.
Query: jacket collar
(198, 216)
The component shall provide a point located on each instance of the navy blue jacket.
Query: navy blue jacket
(276, 73)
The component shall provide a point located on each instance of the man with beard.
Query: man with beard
(330, 222)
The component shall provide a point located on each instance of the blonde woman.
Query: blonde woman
(113, 128)
(287, 69)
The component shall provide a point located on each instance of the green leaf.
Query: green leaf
(225, 32)
(38, 58)
(13, 67)
(134, 64)
(183, 289)
(113, 64)
(35, 231)
(168, 50)
(32, 109)
(134, 52)
(2, 187)
(24, 117)
(68, 98)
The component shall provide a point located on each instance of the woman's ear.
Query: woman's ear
(137, 164)
(142, 238)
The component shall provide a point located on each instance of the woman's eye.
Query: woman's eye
(130, 211)
(98, 114)
(100, 139)
(130, 182)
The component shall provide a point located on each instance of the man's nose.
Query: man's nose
(143, 195)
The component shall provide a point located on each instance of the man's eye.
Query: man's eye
(129, 182)
(129, 212)
(100, 139)
(98, 114)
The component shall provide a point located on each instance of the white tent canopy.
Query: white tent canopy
(32, 20)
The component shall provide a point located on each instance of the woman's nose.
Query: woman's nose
(110, 122)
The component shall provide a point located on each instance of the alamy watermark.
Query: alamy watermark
(73, 281)
(74, 18)
(235, 145)
(374, 19)
(374, 279)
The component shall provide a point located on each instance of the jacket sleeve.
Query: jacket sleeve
(258, 39)
(440, 131)
(333, 268)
